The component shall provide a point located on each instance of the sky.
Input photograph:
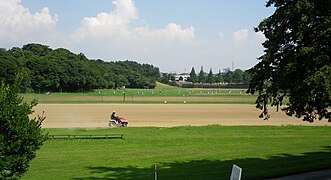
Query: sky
(174, 35)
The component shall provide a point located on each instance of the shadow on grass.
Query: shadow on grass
(253, 168)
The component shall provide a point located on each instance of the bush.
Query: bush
(20, 136)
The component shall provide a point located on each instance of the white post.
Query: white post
(236, 173)
(155, 172)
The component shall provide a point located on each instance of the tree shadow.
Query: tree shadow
(253, 168)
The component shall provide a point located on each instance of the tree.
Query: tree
(296, 62)
(172, 77)
(20, 137)
(246, 77)
(210, 77)
(193, 76)
(8, 66)
(164, 78)
(219, 77)
(45, 69)
(238, 76)
(201, 77)
(228, 77)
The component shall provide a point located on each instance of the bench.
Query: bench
(84, 136)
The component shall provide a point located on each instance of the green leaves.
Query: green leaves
(193, 76)
(47, 70)
(297, 57)
(20, 137)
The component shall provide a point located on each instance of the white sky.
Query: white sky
(173, 35)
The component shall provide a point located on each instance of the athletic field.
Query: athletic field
(187, 137)
(162, 115)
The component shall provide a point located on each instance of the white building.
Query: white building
(182, 76)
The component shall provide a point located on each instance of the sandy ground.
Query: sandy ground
(160, 115)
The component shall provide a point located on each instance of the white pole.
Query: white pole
(155, 172)
(236, 173)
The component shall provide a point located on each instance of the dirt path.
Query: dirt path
(160, 115)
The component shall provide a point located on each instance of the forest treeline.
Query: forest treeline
(44, 69)
(237, 76)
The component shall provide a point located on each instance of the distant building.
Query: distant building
(182, 76)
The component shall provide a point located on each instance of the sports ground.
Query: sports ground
(188, 137)
(162, 115)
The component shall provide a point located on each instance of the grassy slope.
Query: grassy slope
(206, 152)
(164, 86)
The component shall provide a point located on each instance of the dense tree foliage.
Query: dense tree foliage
(9, 66)
(202, 76)
(45, 69)
(210, 77)
(237, 76)
(168, 78)
(193, 76)
(219, 77)
(297, 60)
(20, 136)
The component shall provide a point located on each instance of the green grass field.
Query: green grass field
(174, 94)
(206, 152)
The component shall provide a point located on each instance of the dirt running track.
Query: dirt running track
(160, 115)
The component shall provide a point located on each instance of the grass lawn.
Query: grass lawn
(157, 95)
(175, 95)
(206, 152)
